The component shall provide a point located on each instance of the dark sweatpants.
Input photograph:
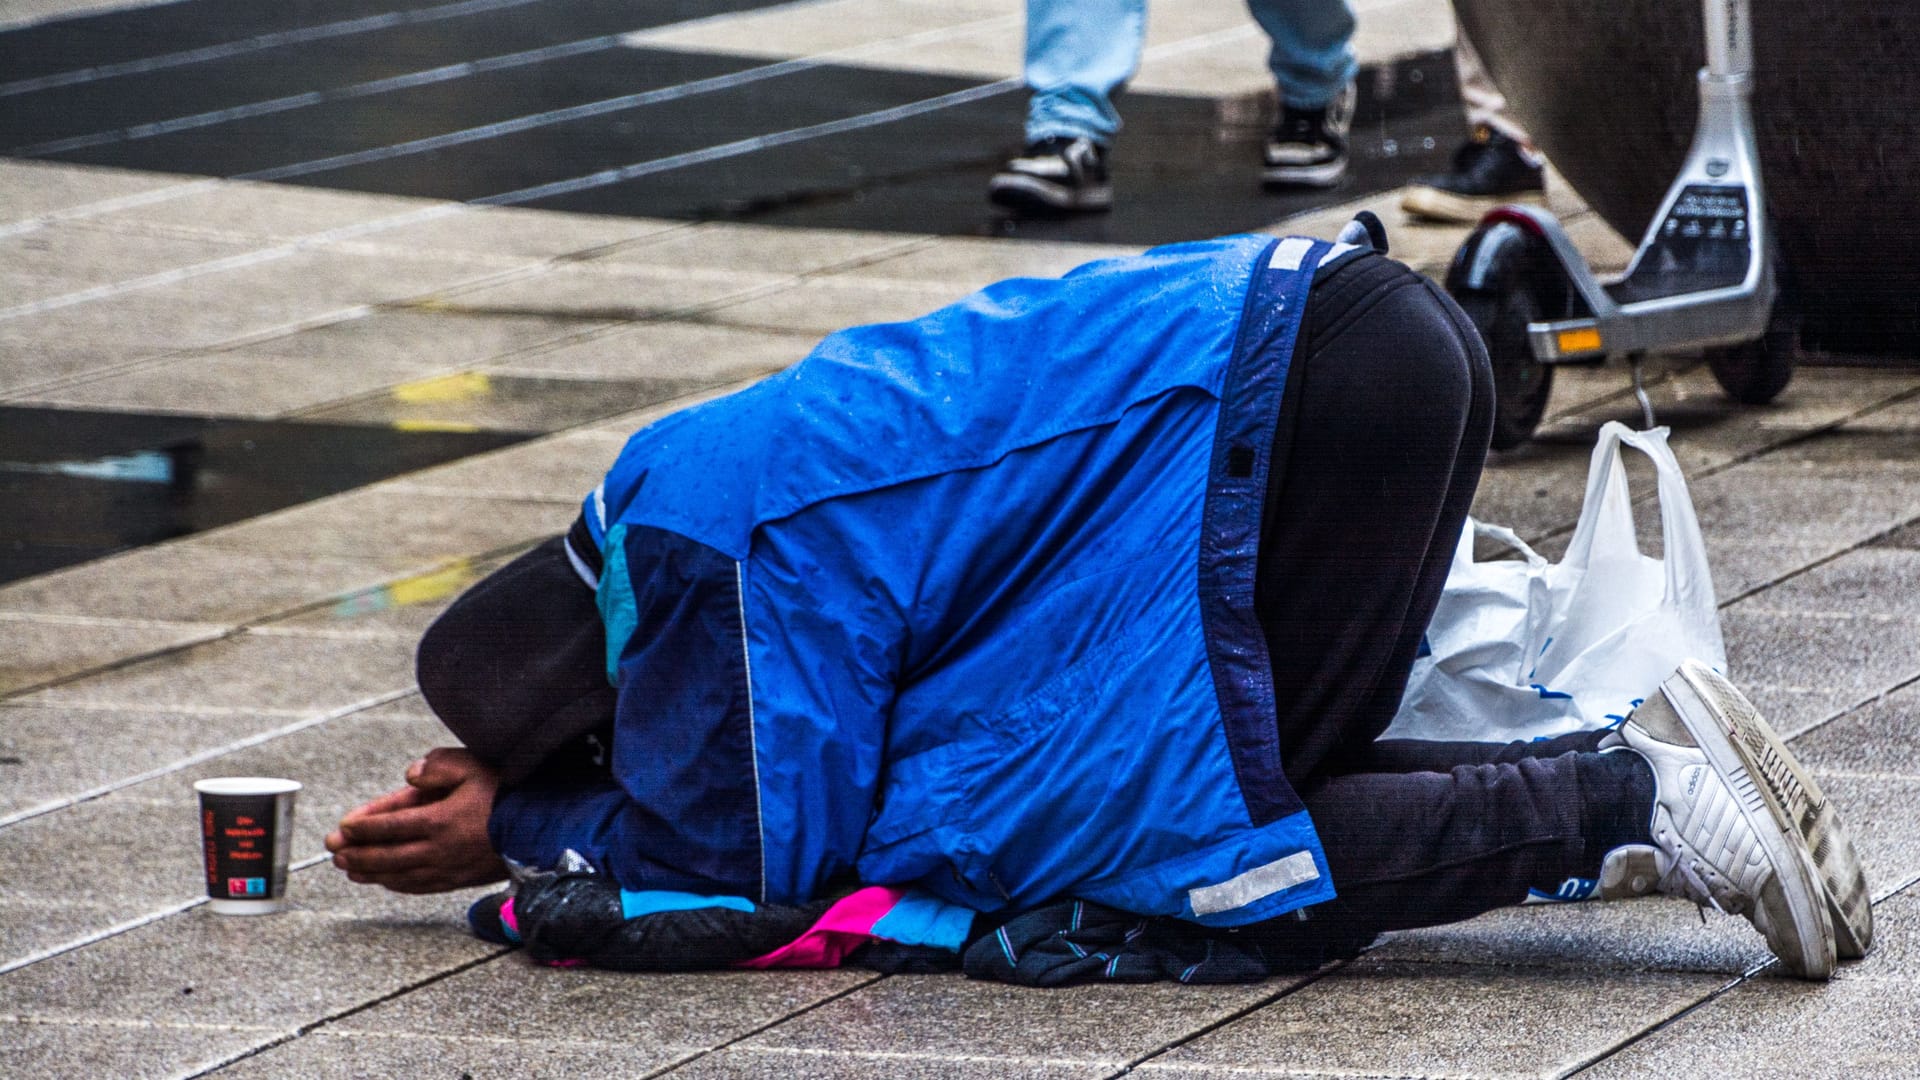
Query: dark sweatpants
(1381, 436)
(1383, 430)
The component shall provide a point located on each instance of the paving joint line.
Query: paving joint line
(1745, 457)
(129, 925)
(424, 302)
(308, 1028)
(417, 302)
(201, 758)
(10, 696)
(1848, 710)
(776, 69)
(263, 619)
(587, 110)
(1743, 978)
(257, 43)
(878, 977)
(586, 182)
(1234, 1016)
(1861, 545)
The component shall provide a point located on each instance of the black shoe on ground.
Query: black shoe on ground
(1054, 176)
(1308, 147)
(1489, 170)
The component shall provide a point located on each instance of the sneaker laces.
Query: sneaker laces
(1683, 878)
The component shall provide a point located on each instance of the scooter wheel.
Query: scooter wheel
(1521, 384)
(1756, 371)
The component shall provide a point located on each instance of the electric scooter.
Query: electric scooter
(1704, 278)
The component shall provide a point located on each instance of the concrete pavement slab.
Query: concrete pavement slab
(45, 648)
(763, 1063)
(328, 1054)
(249, 671)
(1693, 405)
(560, 468)
(665, 347)
(628, 423)
(132, 1050)
(512, 999)
(489, 401)
(608, 293)
(1866, 582)
(401, 608)
(292, 285)
(428, 336)
(31, 924)
(757, 249)
(1877, 739)
(199, 310)
(277, 972)
(870, 31)
(247, 383)
(418, 527)
(506, 232)
(26, 362)
(188, 581)
(1824, 664)
(973, 262)
(252, 211)
(121, 855)
(1603, 939)
(52, 753)
(135, 852)
(822, 305)
(948, 1015)
(1865, 1023)
(32, 189)
(1380, 1018)
(66, 258)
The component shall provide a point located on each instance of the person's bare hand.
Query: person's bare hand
(430, 836)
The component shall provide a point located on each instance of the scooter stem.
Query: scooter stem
(1729, 25)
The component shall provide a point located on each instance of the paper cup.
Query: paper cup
(246, 832)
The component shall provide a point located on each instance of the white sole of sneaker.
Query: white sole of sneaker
(1794, 795)
(1314, 176)
(1437, 205)
(1716, 735)
(1017, 192)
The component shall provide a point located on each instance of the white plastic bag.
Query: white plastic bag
(1520, 649)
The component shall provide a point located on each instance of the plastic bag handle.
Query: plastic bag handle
(1608, 505)
(1503, 535)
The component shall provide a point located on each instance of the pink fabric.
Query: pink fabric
(512, 922)
(845, 927)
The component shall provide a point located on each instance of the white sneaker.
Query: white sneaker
(1792, 793)
(1718, 838)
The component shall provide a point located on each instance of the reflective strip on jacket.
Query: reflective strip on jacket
(964, 602)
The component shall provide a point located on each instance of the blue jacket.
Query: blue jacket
(964, 602)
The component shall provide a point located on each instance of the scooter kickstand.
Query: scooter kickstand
(1636, 361)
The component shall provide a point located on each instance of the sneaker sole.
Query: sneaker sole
(1033, 194)
(1806, 900)
(1438, 205)
(1313, 176)
(1794, 794)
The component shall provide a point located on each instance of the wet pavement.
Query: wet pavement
(504, 233)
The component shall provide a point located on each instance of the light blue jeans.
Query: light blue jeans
(1080, 51)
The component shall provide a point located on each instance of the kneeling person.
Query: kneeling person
(1099, 588)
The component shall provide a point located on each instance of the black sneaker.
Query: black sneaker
(1309, 146)
(1055, 176)
(1489, 170)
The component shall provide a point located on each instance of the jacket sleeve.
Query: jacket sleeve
(711, 790)
(680, 809)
